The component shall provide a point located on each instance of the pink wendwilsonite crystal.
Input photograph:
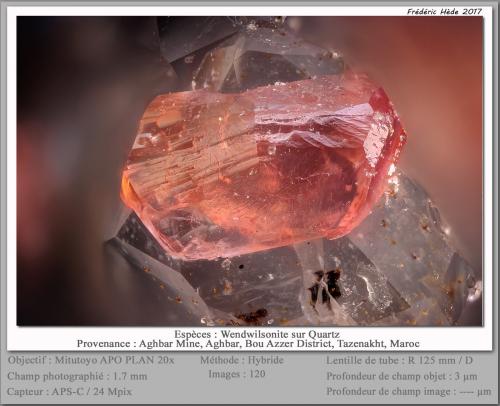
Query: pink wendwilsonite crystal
(218, 175)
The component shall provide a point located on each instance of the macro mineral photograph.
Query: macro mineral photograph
(278, 171)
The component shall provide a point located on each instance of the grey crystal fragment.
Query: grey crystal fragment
(251, 59)
(404, 238)
(366, 293)
(183, 36)
(318, 304)
(268, 280)
(186, 306)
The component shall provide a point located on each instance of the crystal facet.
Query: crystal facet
(217, 175)
(261, 57)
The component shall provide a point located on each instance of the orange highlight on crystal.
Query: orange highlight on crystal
(218, 175)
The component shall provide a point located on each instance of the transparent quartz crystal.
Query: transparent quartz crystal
(396, 268)
(260, 56)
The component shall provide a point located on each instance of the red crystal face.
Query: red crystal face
(217, 175)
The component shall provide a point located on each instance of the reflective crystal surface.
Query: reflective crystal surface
(396, 268)
(217, 175)
(259, 56)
